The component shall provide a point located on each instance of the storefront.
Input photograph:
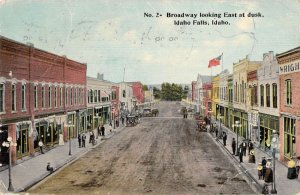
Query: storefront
(89, 119)
(253, 134)
(242, 117)
(22, 137)
(82, 121)
(71, 125)
(289, 137)
(3, 150)
(267, 123)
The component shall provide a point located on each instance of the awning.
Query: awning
(98, 107)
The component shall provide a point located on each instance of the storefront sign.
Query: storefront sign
(290, 67)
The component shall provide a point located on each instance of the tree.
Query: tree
(156, 93)
(145, 87)
(171, 92)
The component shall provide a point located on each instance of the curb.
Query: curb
(62, 165)
(252, 182)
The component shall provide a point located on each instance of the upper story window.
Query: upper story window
(124, 94)
(35, 96)
(268, 95)
(66, 96)
(43, 96)
(23, 101)
(71, 97)
(2, 97)
(55, 96)
(274, 92)
(60, 96)
(288, 91)
(262, 99)
(13, 97)
(49, 97)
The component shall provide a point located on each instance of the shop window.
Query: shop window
(274, 91)
(288, 91)
(3, 149)
(289, 137)
(22, 140)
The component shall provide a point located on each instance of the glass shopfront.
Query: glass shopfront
(268, 123)
(289, 125)
(42, 131)
(71, 124)
(3, 150)
(22, 135)
(89, 119)
(242, 117)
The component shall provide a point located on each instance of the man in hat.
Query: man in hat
(241, 153)
(292, 173)
(269, 173)
(49, 168)
(259, 171)
(233, 146)
(263, 163)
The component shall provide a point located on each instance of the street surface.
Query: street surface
(162, 155)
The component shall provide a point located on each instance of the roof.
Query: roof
(288, 52)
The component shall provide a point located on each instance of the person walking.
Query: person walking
(102, 130)
(83, 140)
(224, 138)
(98, 131)
(251, 157)
(110, 127)
(233, 146)
(122, 120)
(259, 171)
(92, 137)
(41, 146)
(263, 164)
(244, 146)
(269, 174)
(216, 129)
(250, 146)
(241, 153)
(79, 140)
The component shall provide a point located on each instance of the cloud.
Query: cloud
(245, 24)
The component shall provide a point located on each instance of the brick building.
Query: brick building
(138, 94)
(289, 133)
(41, 96)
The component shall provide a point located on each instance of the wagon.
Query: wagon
(131, 120)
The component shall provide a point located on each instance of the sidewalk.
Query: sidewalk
(29, 172)
(284, 186)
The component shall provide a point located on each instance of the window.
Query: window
(66, 96)
(289, 137)
(95, 96)
(75, 96)
(268, 95)
(71, 97)
(274, 91)
(91, 96)
(288, 91)
(13, 97)
(23, 103)
(99, 96)
(262, 90)
(43, 96)
(124, 94)
(255, 95)
(60, 96)
(55, 97)
(49, 97)
(1, 97)
(35, 96)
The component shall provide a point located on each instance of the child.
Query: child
(260, 171)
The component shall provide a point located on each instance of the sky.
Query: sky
(113, 36)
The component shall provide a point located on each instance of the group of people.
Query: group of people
(242, 150)
(81, 140)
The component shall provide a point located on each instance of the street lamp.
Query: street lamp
(274, 146)
(69, 126)
(237, 125)
(9, 144)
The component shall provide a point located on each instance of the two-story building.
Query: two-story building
(289, 74)
(223, 107)
(215, 96)
(42, 96)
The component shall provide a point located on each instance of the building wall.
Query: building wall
(138, 92)
(215, 96)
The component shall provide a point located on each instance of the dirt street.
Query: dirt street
(162, 155)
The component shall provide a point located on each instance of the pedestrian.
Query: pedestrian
(49, 168)
(298, 168)
(79, 140)
(241, 153)
(122, 118)
(233, 146)
(251, 157)
(244, 147)
(292, 173)
(110, 127)
(260, 171)
(92, 137)
(269, 173)
(83, 140)
(263, 163)
(41, 146)
(216, 130)
(224, 138)
(250, 146)
(98, 131)
(117, 123)
(102, 130)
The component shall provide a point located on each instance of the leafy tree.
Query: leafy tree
(145, 87)
(156, 93)
(171, 92)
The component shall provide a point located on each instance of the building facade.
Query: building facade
(240, 74)
(126, 99)
(289, 133)
(215, 96)
(42, 96)
(223, 107)
(268, 101)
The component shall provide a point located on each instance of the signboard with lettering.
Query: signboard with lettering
(290, 67)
